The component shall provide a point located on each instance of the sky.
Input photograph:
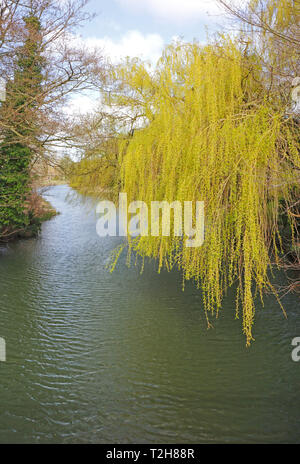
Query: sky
(143, 27)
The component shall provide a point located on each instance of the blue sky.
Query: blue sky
(143, 27)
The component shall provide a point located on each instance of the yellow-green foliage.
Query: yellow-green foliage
(92, 176)
(212, 136)
(97, 173)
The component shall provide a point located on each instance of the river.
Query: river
(125, 357)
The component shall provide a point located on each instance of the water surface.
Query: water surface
(126, 357)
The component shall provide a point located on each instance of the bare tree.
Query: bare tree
(44, 65)
(68, 69)
(271, 27)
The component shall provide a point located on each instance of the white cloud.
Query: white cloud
(133, 44)
(82, 104)
(174, 10)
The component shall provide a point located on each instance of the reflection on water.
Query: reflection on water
(126, 357)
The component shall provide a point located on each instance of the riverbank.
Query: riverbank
(42, 183)
(38, 210)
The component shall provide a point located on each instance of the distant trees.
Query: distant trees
(97, 138)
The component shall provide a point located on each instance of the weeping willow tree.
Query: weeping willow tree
(270, 29)
(210, 124)
(212, 135)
